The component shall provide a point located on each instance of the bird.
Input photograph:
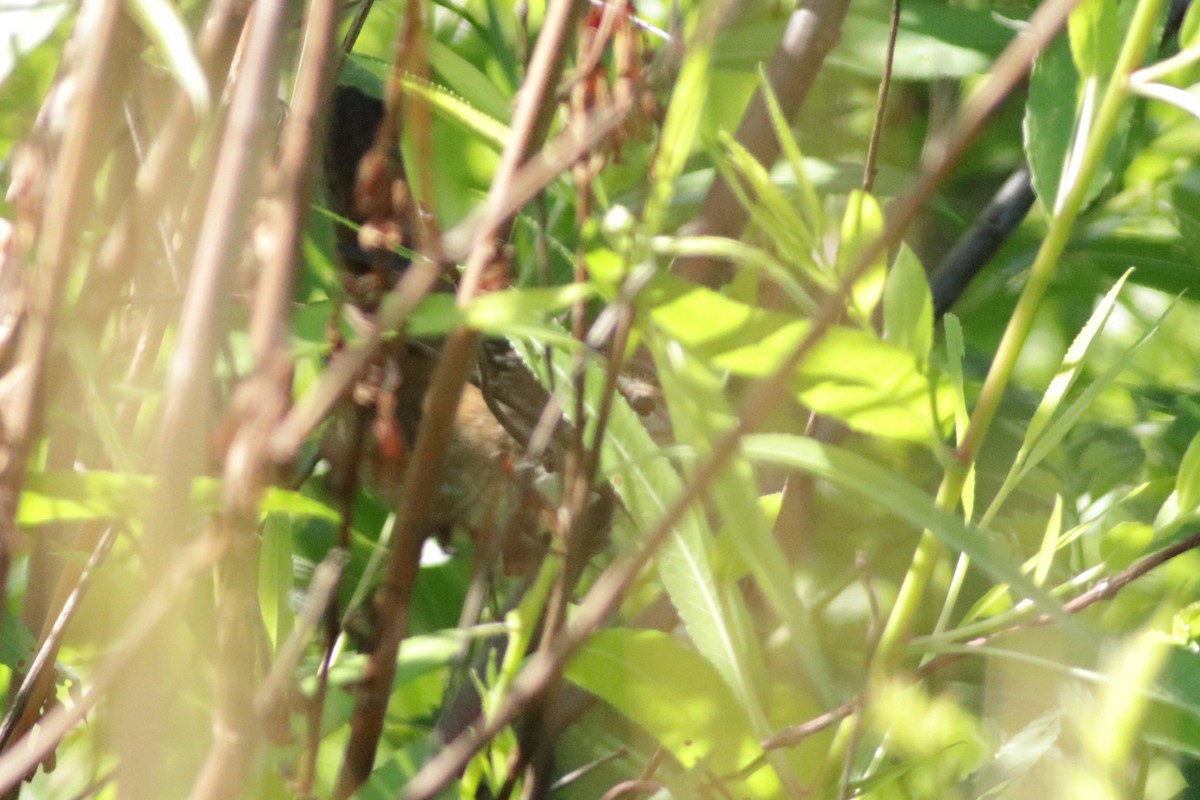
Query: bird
(488, 484)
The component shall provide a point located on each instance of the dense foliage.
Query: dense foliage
(581, 420)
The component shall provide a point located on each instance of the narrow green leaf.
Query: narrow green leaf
(700, 414)
(769, 209)
(468, 81)
(681, 122)
(1064, 379)
(955, 352)
(369, 75)
(1050, 538)
(647, 483)
(275, 581)
(813, 210)
(98, 495)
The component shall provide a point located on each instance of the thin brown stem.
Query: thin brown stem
(885, 83)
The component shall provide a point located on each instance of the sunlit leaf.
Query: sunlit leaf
(1095, 37)
(861, 227)
(670, 691)
(908, 306)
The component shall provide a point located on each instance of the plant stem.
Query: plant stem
(1103, 127)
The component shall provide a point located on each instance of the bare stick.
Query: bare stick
(885, 83)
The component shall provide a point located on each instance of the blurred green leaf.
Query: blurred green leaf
(25, 24)
(1059, 102)
(1189, 29)
(1187, 485)
(16, 644)
(935, 41)
(1095, 37)
(467, 80)
(671, 692)
(84, 496)
(872, 386)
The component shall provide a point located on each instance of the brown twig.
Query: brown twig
(39, 678)
(632, 787)
(885, 83)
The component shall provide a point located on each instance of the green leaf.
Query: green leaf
(670, 691)
(1188, 483)
(700, 414)
(1095, 37)
(1189, 29)
(872, 386)
(275, 581)
(97, 495)
(647, 483)
(1032, 449)
(769, 209)
(1058, 115)
(679, 127)
(955, 352)
(908, 306)
(877, 484)
(466, 79)
(861, 227)
(25, 24)
(16, 644)
(499, 312)
(814, 213)
(370, 74)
